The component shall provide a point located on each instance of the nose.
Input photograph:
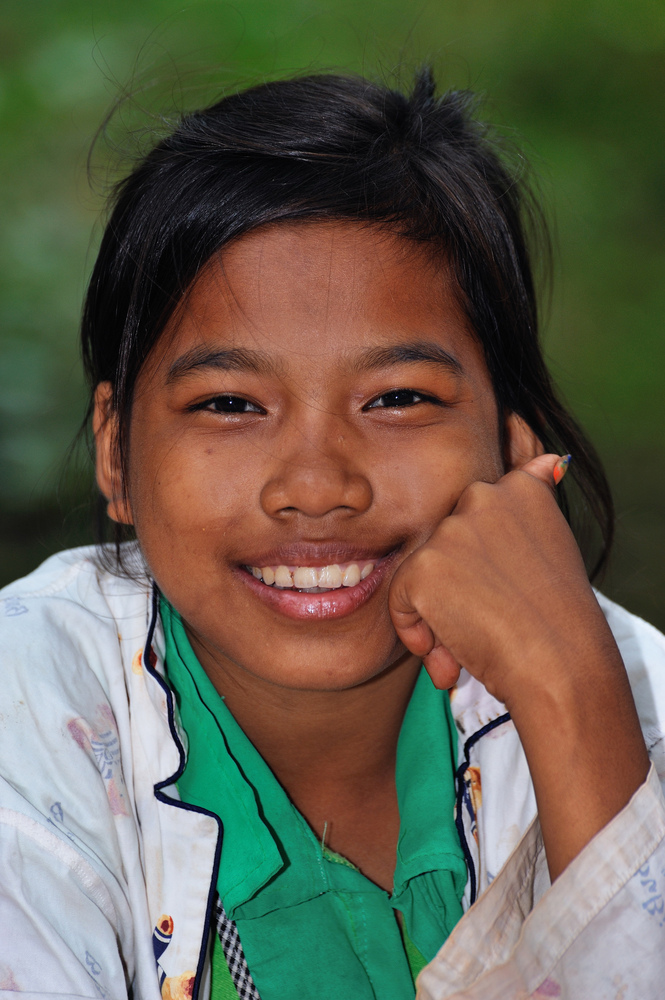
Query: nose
(317, 475)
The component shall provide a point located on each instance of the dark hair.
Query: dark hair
(331, 147)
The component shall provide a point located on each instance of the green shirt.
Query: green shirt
(310, 923)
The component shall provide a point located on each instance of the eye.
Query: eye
(400, 399)
(229, 404)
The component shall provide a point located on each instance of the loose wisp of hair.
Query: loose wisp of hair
(331, 147)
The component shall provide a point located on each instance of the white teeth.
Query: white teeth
(305, 577)
(283, 577)
(330, 577)
(312, 578)
(351, 575)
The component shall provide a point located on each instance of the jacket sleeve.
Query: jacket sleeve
(60, 916)
(598, 932)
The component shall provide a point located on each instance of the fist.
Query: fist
(499, 588)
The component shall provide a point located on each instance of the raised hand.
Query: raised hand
(500, 588)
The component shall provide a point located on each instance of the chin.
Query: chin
(316, 673)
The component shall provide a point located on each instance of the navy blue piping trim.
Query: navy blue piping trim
(461, 791)
(169, 781)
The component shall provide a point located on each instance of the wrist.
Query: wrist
(564, 668)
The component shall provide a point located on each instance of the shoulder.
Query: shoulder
(68, 613)
(642, 648)
(639, 642)
(64, 705)
(67, 634)
(81, 575)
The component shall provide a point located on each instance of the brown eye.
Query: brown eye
(398, 399)
(229, 404)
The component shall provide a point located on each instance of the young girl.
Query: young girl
(320, 405)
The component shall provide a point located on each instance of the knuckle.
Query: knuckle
(475, 496)
(420, 567)
(424, 562)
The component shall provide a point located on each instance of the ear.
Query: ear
(107, 457)
(521, 443)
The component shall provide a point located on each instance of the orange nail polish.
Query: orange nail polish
(560, 469)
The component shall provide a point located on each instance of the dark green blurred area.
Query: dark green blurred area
(581, 86)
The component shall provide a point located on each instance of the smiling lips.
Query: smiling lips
(313, 579)
(323, 592)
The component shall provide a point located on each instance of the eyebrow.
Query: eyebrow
(418, 352)
(238, 359)
(231, 359)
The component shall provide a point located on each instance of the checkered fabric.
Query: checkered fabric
(234, 955)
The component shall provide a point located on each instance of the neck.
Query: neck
(346, 737)
(334, 752)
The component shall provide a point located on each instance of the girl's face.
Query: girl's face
(319, 401)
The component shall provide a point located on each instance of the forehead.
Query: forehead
(318, 293)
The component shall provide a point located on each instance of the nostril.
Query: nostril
(315, 492)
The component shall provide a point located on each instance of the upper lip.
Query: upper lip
(305, 553)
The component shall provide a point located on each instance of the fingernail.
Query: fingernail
(560, 469)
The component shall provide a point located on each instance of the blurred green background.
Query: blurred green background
(580, 85)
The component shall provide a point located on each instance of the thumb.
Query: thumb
(550, 469)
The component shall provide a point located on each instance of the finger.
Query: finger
(560, 469)
(409, 623)
(442, 667)
(550, 469)
(416, 635)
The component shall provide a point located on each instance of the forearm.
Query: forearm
(584, 746)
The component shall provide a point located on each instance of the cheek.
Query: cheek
(422, 479)
(180, 491)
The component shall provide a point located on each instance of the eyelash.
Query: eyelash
(240, 404)
(230, 398)
(420, 397)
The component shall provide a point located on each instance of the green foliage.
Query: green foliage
(581, 86)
